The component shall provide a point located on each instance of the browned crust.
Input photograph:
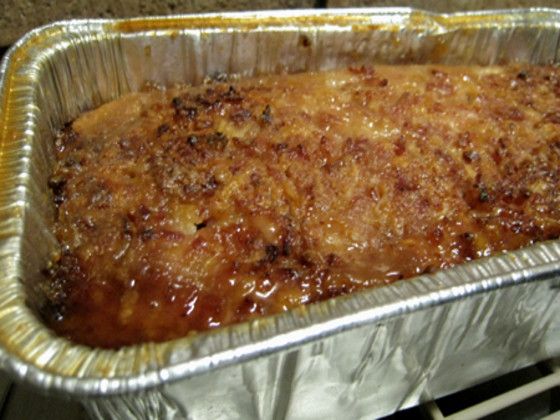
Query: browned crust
(191, 208)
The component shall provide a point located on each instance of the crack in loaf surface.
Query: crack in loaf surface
(189, 208)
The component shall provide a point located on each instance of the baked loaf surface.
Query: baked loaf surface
(190, 208)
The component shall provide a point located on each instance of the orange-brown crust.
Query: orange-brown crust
(190, 208)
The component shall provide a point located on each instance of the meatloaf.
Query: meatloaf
(194, 207)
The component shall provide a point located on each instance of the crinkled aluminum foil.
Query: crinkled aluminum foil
(357, 356)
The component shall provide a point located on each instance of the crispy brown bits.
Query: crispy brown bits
(217, 140)
(464, 140)
(271, 253)
(210, 185)
(144, 212)
(436, 234)
(278, 147)
(177, 103)
(266, 115)
(87, 223)
(147, 234)
(477, 196)
(288, 243)
(440, 83)
(201, 225)
(124, 144)
(464, 246)
(470, 156)
(101, 196)
(57, 184)
(162, 129)
(206, 101)
(518, 196)
(66, 137)
(522, 75)
(367, 71)
(332, 260)
(552, 117)
(216, 215)
(232, 96)
(255, 179)
(400, 146)
(515, 114)
(404, 184)
(184, 110)
(483, 195)
(241, 116)
(128, 227)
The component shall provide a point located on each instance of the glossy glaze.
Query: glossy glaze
(189, 208)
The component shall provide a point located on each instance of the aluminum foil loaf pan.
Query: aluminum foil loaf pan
(357, 356)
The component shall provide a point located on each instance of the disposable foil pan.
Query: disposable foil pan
(358, 356)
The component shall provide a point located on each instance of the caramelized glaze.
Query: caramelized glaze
(191, 208)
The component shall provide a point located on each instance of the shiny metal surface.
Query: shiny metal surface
(362, 355)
